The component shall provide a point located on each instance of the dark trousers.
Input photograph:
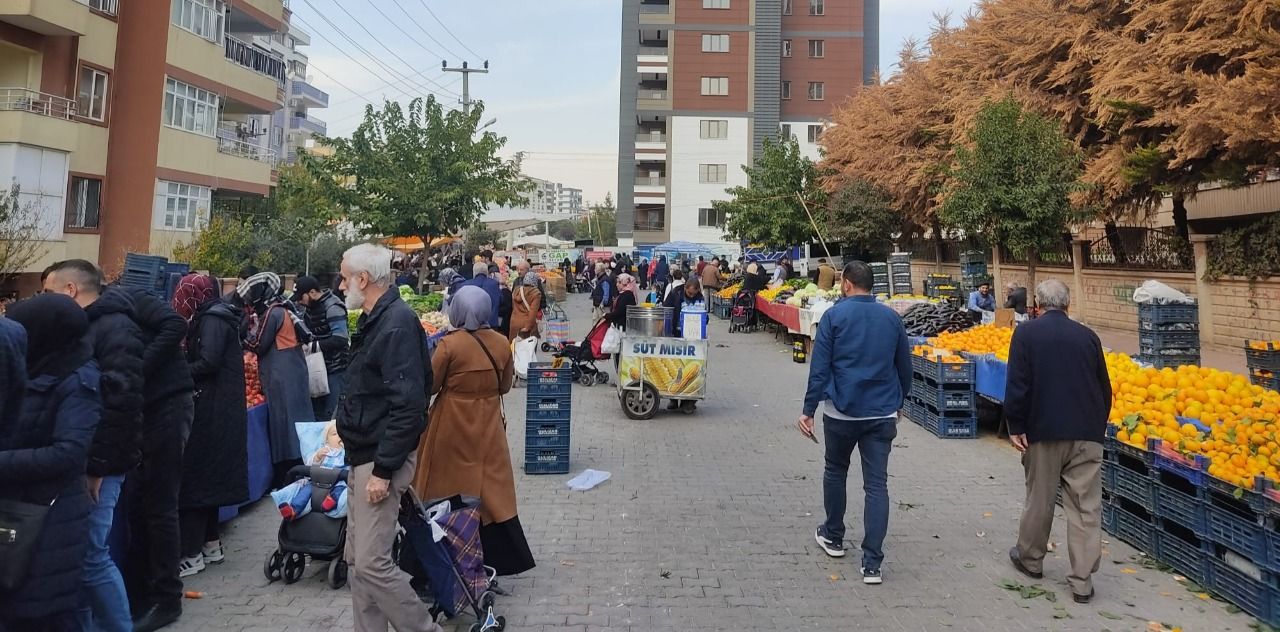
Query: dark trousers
(324, 407)
(197, 526)
(873, 440)
(151, 572)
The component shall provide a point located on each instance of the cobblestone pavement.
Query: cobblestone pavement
(707, 524)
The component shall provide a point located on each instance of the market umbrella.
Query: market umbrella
(440, 241)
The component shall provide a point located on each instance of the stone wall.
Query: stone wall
(1244, 310)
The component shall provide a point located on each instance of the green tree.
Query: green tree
(769, 210)
(861, 214)
(418, 170)
(304, 209)
(599, 223)
(224, 247)
(1011, 182)
(478, 236)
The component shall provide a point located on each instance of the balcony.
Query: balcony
(309, 94)
(253, 58)
(110, 7)
(47, 17)
(241, 149)
(38, 119)
(656, 136)
(651, 181)
(650, 221)
(309, 124)
(655, 8)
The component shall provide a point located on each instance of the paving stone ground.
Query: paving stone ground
(707, 524)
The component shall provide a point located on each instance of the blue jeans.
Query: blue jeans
(874, 440)
(107, 605)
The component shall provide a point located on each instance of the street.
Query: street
(707, 524)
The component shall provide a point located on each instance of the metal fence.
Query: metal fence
(1141, 249)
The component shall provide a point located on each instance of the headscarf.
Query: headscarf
(260, 288)
(450, 279)
(56, 327)
(192, 292)
(530, 279)
(469, 308)
(626, 283)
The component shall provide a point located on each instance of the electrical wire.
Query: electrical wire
(338, 3)
(367, 69)
(421, 28)
(446, 29)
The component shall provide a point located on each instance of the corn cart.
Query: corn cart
(651, 368)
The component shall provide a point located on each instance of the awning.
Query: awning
(505, 225)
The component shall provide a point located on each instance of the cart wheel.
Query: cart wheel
(502, 623)
(602, 377)
(294, 564)
(271, 567)
(546, 347)
(641, 404)
(337, 574)
(487, 599)
(586, 379)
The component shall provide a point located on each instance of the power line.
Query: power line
(367, 69)
(446, 29)
(421, 28)
(338, 3)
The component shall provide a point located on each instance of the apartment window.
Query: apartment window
(786, 131)
(190, 108)
(105, 6)
(202, 17)
(815, 132)
(713, 174)
(715, 4)
(84, 202)
(713, 217)
(817, 7)
(817, 48)
(817, 90)
(714, 129)
(712, 43)
(786, 7)
(786, 48)
(715, 86)
(91, 94)
(786, 89)
(181, 206)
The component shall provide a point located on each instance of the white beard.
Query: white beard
(355, 297)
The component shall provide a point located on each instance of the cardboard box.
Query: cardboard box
(1004, 317)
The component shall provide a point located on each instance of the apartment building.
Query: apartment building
(569, 201)
(293, 127)
(124, 121)
(704, 82)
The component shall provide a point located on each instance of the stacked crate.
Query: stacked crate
(940, 286)
(900, 273)
(145, 272)
(546, 425)
(1168, 335)
(1263, 359)
(973, 270)
(942, 398)
(880, 278)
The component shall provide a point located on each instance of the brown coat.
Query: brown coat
(464, 450)
(710, 277)
(526, 302)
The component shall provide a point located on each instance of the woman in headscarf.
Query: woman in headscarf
(464, 450)
(282, 367)
(626, 297)
(44, 450)
(661, 275)
(451, 280)
(214, 465)
(526, 302)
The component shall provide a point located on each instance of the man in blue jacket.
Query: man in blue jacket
(481, 279)
(860, 373)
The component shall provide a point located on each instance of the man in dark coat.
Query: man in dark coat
(13, 367)
(481, 279)
(326, 318)
(118, 348)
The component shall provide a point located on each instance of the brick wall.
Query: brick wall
(1242, 311)
(1108, 295)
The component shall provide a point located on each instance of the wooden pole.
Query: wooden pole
(814, 224)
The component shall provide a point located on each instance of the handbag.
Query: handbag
(502, 405)
(20, 527)
(317, 373)
(612, 342)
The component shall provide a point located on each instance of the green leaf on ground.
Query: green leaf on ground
(1108, 615)
(1032, 591)
(1060, 612)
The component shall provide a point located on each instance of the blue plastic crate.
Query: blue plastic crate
(1169, 361)
(1135, 486)
(1234, 496)
(1114, 449)
(950, 427)
(547, 467)
(945, 397)
(550, 390)
(1132, 526)
(543, 441)
(544, 373)
(1237, 532)
(723, 310)
(1182, 508)
(152, 264)
(1165, 314)
(1185, 553)
(944, 372)
(547, 434)
(1249, 594)
(1169, 339)
(1193, 469)
(1272, 537)
(561, 403)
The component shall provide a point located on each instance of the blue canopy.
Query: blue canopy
(681, 247)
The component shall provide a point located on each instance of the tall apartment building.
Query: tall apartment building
(569, 201)
(293, 126)
(704, 82)
(122, 122)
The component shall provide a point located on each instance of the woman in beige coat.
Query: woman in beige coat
(526, 302)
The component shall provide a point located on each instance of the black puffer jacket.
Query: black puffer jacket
(327, 320)
(118, 347)
(164, 369)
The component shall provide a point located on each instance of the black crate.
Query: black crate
(1134, 485)
(1163, 314)
(900, 257)
(1271, 382)
(1263, 359)
(1183, 327)
(946, 398)
(1180, 502)
(947, 427)
(546, 460)
(1169, 361)
(943, 372)
(973, 256)
(1165, 353)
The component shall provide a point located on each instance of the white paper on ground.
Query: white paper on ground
(587, 479)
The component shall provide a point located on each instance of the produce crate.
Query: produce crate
(1165, 314)
(549, 390)
(1184, 551)
(1169, 361)
(880, 288)
(944, 372)
(546, 434)
(548, 408)
(946, 397)
(546, 460)
(1165, 339)
(1237, 532)
(900, 257)
(1135, 486)
(1272, 536)
(1268, 381)
(723, 310)
(1168, 353)
(1265, 359)
(1115, 449)
(1193, 469)
(1240, 499)
(547, 373)
(1179, 501)
(1249, 594)
(973, 256)
(950, 427)
(1130, 523)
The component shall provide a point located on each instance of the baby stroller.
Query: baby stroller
(555, 330)
(585, 354)
(444, 538)
(584, 281)
(742, 315)
(314, 535)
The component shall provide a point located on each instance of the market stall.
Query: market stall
(786, 315)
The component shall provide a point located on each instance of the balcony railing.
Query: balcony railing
(254, 58)
(310, 124)
(242, 149)
(649, 49)
(652, 95)
(654, 137)
(24, 100)
(655, 8)
(642, 223)
(651, 181)
(304, 89)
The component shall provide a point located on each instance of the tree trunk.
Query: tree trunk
(1033, 254)
(1180, 216)
(422, 265)
(936, 227)
(1117, 244)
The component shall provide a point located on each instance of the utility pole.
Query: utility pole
(466, 81)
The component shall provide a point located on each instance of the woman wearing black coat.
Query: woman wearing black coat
(215, 464)
(43, 454)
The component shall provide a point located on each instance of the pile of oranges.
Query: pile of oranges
(936, 354)
(1264, 345)
(981, 339)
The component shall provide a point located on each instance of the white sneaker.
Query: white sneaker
(190, 566)
(212, 552)
(828, 546)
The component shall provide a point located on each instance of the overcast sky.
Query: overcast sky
(553, 81)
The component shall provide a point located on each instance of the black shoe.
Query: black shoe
(1016, 558)
(673, 405)
(155, 617)
(1083, 598)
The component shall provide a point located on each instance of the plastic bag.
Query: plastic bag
(317, 374)
(587, 479)
(612, 340)
(1158, 293)
(523, 352)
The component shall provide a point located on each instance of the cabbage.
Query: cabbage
(795, 301)
(811, 288)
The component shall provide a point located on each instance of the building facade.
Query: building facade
(706, 81)
(293, 127)
(122, 122)
(570, 201)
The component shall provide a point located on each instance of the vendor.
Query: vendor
(1016, 298)
(826, 275)
(981, 301)
(690, 294)
(753, 279)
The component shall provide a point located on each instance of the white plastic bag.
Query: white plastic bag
(1159, 294)
(317, 374)
(523, 352)
(612, 342)
(588, 479)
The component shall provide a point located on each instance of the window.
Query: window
(713, 174)
(190, 108)
(715, 86)
(786, 89)
(91, 95)
(202, 17)
(815, 132)
(786, 7)
(714, 217)
(715, 4)
(105, 6)
(84, 202)
(817, 90)
(817, 7)
(786, 48)
(714, 129)
(786, 131)
(817, 48)
(715, 43)
(181, 206)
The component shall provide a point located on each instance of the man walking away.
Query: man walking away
(826, 275)
(326, 317)
(114, 452)
(381, 417)
(860, 373)
(710, 282)
(1057, 399)
(480, 278)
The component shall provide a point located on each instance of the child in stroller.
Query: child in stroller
(585, 354)
(314, 507)
(742, 315)
(294, 499)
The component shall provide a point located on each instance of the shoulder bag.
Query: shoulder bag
(20, 527)
(496, 373)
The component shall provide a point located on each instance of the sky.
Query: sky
(553, 74)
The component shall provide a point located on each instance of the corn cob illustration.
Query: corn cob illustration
(660, 372)
(691, 372)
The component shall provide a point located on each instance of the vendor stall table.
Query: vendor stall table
(259, 461)
(786, 315)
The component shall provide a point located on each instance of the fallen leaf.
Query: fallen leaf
(1061, 613)
(1129, 571)
(1107, 615)
(970, 565)
(835, 578)
(566, 563)
(665, 574)
(1204, 596)
(981, 534)
(986, 515)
